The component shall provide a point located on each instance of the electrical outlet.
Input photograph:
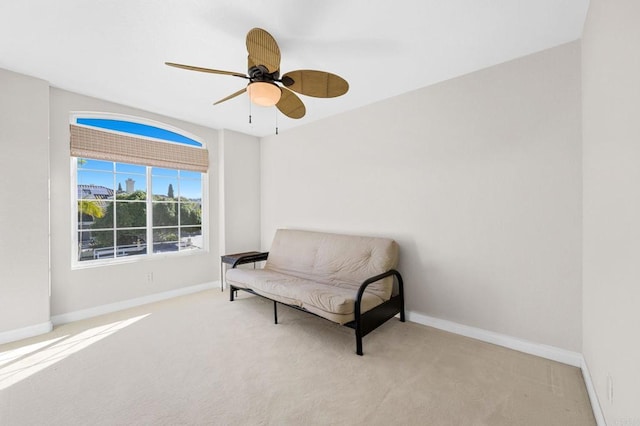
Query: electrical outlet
(610, 388)
(149, 277)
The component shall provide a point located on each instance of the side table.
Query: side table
(236, 259)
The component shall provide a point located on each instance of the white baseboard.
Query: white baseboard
(593, 396)
(25, 332)
(544, 351)
(131, 303)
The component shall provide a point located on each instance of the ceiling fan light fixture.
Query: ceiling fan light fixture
(263, 93)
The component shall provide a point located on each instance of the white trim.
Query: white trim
(97, 263)
(73, 217)
(222, 238)
(545, 351)
(593, 396)
(25, 332)
(123, 260)
(131, 303)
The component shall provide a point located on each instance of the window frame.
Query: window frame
(76, 263)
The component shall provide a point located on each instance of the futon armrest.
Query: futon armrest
(250, 258)
(370, 320)
(366, 283)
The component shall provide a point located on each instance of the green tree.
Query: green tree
(165, 214)
(90, 208)
(190, 214)
(170, 191)
(130, 211)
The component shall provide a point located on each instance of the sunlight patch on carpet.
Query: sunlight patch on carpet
(21, 363)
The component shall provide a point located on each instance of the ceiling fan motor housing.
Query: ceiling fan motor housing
(261, 73)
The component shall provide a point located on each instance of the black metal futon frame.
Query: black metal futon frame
(364, 322)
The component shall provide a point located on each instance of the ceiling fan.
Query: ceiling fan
(264, 76)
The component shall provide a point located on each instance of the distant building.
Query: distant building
(94, 192)
(130, 185)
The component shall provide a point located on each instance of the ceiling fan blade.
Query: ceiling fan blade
(290, 104)
(263, 49)
(239, 92)
(250, 63)
(209, 70)
(319, 84)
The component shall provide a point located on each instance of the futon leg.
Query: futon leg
(401, 294)
(358, 343)
(275, 312)
(231, 291)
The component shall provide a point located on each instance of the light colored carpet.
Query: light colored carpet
(200, 359)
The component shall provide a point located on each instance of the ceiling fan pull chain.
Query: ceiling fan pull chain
(276, 121)
(249, 111)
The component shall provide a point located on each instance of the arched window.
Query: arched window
(139, 189)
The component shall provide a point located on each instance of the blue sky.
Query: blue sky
(138, 129)
(95, 172)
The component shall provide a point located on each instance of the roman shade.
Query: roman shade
(87, 142)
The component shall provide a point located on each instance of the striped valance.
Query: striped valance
(92, 143)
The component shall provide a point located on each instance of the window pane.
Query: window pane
(90, 211)
(140, 129)
(131, 168)
(190, 214)
(164, 188)
(191, 238)
(165, 240)
(157, 171)
(191, 189)
(130, 183)
(130, 214)
(165, 214)
(89, 164)
(187, 174)
(131, 243)
(85, 246)
(95, 185)
(165, 235)
(95, 245)
(106, 221)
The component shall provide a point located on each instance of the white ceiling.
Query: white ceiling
(116, 49)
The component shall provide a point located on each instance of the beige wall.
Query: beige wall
(479, 180)
(611, 134)
(240, 189)
(74, 290)
(31, 113)
(24, 205)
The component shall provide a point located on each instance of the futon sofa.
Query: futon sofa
(342, 278)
